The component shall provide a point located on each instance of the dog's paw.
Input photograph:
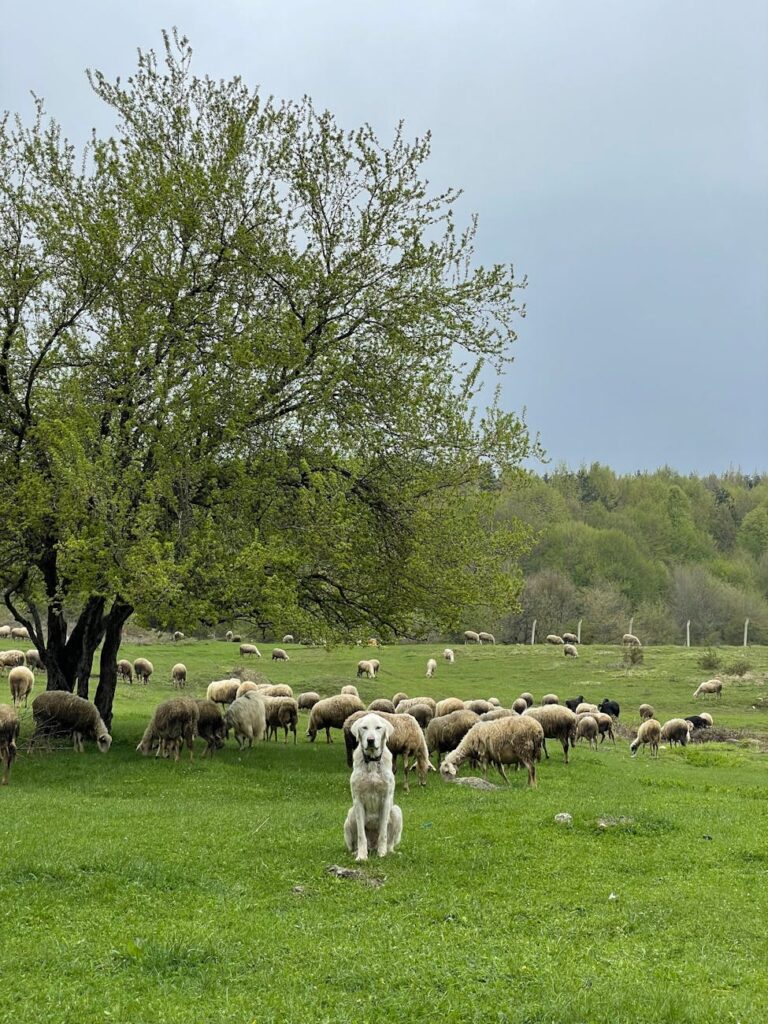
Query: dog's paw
(361, 856)
(382, 850)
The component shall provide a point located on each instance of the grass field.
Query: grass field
(137, 890)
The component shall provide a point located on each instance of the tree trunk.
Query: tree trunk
(113, 634)
(93, 632)
(68, 657)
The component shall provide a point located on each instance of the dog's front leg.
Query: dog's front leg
(386, 810)
(362, 839)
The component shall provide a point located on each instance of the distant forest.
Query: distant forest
(658, 548)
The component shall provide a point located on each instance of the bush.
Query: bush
(739, 668)
(709, 660)
(633, 656)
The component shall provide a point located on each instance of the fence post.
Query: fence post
(746, 631)
(688, 633)
(578, 632)
(533, 631)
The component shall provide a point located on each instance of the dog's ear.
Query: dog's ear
(354, 729)
(388, 727)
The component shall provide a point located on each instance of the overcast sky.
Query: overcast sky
(616, 152)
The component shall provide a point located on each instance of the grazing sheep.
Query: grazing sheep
(178, 635)
(676, 731)
(520, 705)
(179, 675)
(125, 670)
(570, 651)
(585, 707)
(553, 638)
(471, 637)
(558, 723)
(630, 640)
(478, 706)
(710, 686)
(515, 741)
(10, 659)
(307, 700)
(223, 691)
(248, 687)
(210, 726)
(173, 724)
(707, 717)
(275, 690)
(550, 698)
(229, 635)
(449, 656)
(448, 705)
(349, 688)
(407, 740)
(365, 668)
(570, 638)
(398, 697)
(143, 669)
(281, 712)
(431, 668)
(646, 711)
(376, 665)
(447, 731)
(5, 632)
(249, 649)
(574, 702)
(246, 716)
(21, 680)
(423, 713)
(382, 704)
(494, 701)
(609, 707)
(698, 721)
(33, 660)
(58, 713)
(586, 729)
(604, 725)
(487, 638)
(331, 713)
(9, 733)
(528, 698)
(494, 713)
(278, 654)
(20, 633)
(650, 733)
(288, 638)
(373, 641)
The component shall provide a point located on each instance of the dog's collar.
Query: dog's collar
(367, 759)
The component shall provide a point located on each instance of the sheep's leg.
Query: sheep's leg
(502, 773)
(531, 766)
(328, 734)
(544, 747)
(406, 789)
(565, 750)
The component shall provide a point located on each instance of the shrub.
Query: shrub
(709, 660)
(633, 656)
(739, 668)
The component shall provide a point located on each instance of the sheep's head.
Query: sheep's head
(104, 742)
(448, 770)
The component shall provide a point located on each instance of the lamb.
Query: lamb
(586, 728)
(709, 686)
(173, 724)
(448, 705)
(487, 638)
(558, 723)
(125, 670)
(520, 705)
(10, 659)
(33, 659)
(630, 640)
(21, 680)
(246, 716)
(382, 704)
(349, 688)
(471, 637)
(179, 675)
(478, 706)
(223, 691)
(9, 733)
(210, 726)
(365, 668)
(570, 651)
(604, 725)
(449, 656)
(574, 702)
(278, 654)
(423, 713)
(609, 707)
(515, 741)
(143, 669)
(646, 711)
(553, 638)
(281, 712)
(650, 733)
(249, 649)
(446, 732)
(550, 698)
(570, 638)
(407, 740)
(307, 700)
(581, 708)
(431, 668)
(58, 713)
(331, 713)
(676, 731)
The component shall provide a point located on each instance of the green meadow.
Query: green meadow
(140, 890)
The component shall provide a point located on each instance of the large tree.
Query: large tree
(240, 354)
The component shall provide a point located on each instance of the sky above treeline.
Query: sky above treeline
(615, 152)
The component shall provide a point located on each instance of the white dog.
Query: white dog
(373, 819)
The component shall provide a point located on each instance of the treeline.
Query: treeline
(656, 547)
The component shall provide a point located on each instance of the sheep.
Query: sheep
(382, 704)
(229, 636)
(446, 732)
(365, 668)
(22, 680)
(275, 690)
(558, 723)
(478, 706)
(449, 656)
(604, 725)
(288, 638)
(307, 700)
(5, 632)
(709, 686)
(494, 713)
(246, 716)
(9, 733)
(676, 731)
(581, 708)
(252, 649)
(586, 728)
(20, 633)
(143, 669)
(646, 711)
(471, 637)
(223, 691)
(630, 640)
(448, 705)
(373, 641)
(178, 635)
(550, 698)
(528, 698)
(487, 638)
(349, 688)
(494, 701)
(278, 654)
(707, 717)
(407, 740)
(398, 697)
(698, 721)
(33, 659)
(281, 711)
(58, 713)
(179, 675)
(570, 638)
(376, 665)
(210, 726)
(650, 733)
(515, 741)
(553, 638)
(248, 687)
(520, 705)
(331, 713)
(409, 702)
(173, 724)
(10, 659)
(423, 713)
(431, 668)
(125, 670)
(570, 651)
(609, 707)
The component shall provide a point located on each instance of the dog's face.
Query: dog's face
(372, 732)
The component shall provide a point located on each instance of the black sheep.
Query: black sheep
(574, 702)
(609, 707)
(698, 721)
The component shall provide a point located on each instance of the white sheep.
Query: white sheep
(553, 638)
(33, 659)
(5, 632)
(331, 713)
(487, 638)
(9, 733)
(446, 732)
(125, 670)
(173, 723)
(20, 633)
(448, 705)
(10, 659)
(288, 638)
(558, 723)
(570, 638)
(630, 640)
(249, 649)
(709, 686)
(471, 637)
(586, 729)
(178, 635)
(503, 742)
(21, 680)
(570, 651)
(449, 656)
(646, 711)
(58, 713)
(223, 691)
(246, 716)
(376, 664)
(307, 700)
(431, 668)
(550, 698)
(179, 675)
(676, 730)
(650, 733)
(281, 712)
(350, 688)
(365, 668)
(278, 654)
(143, 669)
(382, 704)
